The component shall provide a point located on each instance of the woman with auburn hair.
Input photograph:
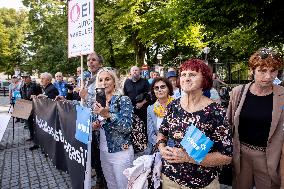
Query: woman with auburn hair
(194, 110)
(256, 114)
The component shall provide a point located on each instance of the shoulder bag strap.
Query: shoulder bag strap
(240, 97)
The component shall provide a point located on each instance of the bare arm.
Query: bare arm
(215, 159)
(282, 168)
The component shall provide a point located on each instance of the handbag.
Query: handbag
(140, 97)
(145, 173)
(154, 177)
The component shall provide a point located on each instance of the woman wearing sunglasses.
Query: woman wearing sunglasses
(194, 110)
(162, 92)
(256, 114)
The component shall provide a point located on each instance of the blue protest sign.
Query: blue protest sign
(196, 144)
(277, 81)
(83, 124)
(16, 95)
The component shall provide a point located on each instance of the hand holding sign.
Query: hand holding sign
(175, 155)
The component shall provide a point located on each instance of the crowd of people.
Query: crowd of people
(247, 135)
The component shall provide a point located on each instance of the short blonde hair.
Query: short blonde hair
(113, 74)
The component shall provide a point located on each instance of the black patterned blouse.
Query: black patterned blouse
(213, 123)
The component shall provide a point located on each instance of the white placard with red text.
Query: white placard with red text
(80, 27)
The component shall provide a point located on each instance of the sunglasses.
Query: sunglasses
(157, 88)
(91, 59)
(109, 68)
(264, 53)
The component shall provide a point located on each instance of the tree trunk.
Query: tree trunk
(112, 59)
(139, 48)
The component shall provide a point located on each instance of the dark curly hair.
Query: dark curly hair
(166, 81)
(199, 66)
(265, 57)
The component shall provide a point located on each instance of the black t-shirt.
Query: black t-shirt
(50, 91)
(133, 89)
(29, 89)
(255, 119)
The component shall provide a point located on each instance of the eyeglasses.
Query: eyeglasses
(264, 53)
(157, 88)
(91, 59)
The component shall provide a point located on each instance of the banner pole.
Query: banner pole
(82, 80)
(88, 172)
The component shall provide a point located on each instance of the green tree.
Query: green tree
(12, 34)
(47, 37)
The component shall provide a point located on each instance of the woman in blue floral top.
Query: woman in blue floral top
(115, 124)
(179, 170)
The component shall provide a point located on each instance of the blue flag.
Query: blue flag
(196, 144)
(83, 124)
(16, 95)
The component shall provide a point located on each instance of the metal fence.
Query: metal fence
(230, 73)
(4, 91)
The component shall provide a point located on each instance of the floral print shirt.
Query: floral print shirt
(212, 121)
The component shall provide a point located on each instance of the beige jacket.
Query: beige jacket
(276, 134)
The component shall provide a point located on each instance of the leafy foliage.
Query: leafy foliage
(12, 33)
(129, 32)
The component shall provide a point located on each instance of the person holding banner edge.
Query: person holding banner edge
(194, 110)
(28, 90)
(115, 126)
(49, 91)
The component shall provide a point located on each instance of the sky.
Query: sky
(16, 4)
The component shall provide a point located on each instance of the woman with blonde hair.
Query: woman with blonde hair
(114, 120)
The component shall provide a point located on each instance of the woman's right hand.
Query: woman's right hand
(166, 152)
(96, 125)
(83, 93)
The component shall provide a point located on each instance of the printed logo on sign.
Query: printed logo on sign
(75, 13)
(191, 141)
(84, 128)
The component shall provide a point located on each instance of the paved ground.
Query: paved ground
(22, 168)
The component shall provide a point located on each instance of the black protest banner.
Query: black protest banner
(55, 124)
(75, 150)
(45, 120)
